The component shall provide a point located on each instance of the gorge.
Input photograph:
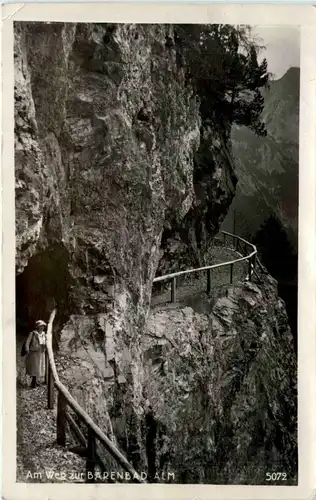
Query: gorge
(114, 167)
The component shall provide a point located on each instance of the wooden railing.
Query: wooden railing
(94, 433)
(65, 399)
(238, 243)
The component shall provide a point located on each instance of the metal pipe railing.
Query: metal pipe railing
(240, 243)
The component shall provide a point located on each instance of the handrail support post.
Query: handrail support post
(91, 456)
(231, 273)
(61, 419)
(249, 268)
(50, 389)
(46, 367)
(208, 289)
(173, 289)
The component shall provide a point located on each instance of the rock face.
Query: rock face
(220, 388)
(106, 131)
(105, 135)
(187, 244)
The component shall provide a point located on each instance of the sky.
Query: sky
(282, 47)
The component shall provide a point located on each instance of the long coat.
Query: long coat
(35, 359)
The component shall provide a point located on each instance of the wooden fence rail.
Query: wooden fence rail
(239, 244)
(64, 399)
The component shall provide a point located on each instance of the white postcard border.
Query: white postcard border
(171, 13)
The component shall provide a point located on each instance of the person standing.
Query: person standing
(35, 353)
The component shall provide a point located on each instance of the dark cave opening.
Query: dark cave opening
(43, 285)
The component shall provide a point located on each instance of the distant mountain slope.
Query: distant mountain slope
(267, 167)
(281, 112)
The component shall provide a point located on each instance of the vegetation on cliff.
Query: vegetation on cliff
(267, 168)
(222, 64)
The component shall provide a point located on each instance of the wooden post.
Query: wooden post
(249, 268)
(76, 430)
(208, 288)
(234, 221)
(50, 389)
(79, 435)
(231, 272)
(173, 289)
(91, 456)
(224, 240)
(61, 419)
(46, 367)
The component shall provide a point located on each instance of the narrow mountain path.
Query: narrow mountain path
(191, 289)
(39, 458)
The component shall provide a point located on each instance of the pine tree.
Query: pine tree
(222, 65)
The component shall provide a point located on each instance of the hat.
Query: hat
(40, 323)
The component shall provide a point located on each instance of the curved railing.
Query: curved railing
(64, 399)
(239, 245)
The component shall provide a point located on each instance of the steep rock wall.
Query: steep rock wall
(187, 244)
(214, 395)
(220, 388)
(116, 130)
(106, 131)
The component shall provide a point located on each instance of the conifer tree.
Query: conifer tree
(223, 67)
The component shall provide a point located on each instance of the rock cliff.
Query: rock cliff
(105, 134)
(220, 386)
(106, 130)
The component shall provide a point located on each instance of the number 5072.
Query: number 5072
(276, 476)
